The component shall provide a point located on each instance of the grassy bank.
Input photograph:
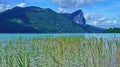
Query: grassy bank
(60, 52)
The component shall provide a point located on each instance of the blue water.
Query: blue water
(14, 36)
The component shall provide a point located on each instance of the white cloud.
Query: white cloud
(101, 19)
(107, 24)
(21, 5)
(8, 7)
(93, 16)
(95, 23)
(74, 3)
(94, 19)
(87, 16)
(1, 7)
(111, 22)
(68, 4)
(4, 7)
(61, 10)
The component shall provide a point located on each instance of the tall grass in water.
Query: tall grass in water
(61, 51)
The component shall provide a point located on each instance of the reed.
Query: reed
(60, 51)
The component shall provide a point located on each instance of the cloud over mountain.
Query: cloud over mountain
(4, 7)
(95, 19)
(74, 3)
(21, 4)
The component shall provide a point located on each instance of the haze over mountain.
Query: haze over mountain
(39, 20)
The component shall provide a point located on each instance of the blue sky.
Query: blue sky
(100, 13)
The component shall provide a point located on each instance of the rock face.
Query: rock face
(77, 17)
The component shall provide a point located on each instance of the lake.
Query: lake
(6, 37)
(11, 36)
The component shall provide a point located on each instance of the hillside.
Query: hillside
(112, 30)
(39, 20)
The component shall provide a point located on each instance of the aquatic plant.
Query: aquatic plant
(60, 51)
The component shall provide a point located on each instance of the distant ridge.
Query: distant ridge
(39, 20)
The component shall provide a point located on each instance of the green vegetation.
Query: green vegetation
(38, 20)
(112, 30)
(60, 51)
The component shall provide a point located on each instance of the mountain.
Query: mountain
(38, 20)
(112, 30)
(76, 17)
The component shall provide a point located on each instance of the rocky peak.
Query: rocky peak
(78, 17)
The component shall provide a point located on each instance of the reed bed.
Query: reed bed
(61, 51)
